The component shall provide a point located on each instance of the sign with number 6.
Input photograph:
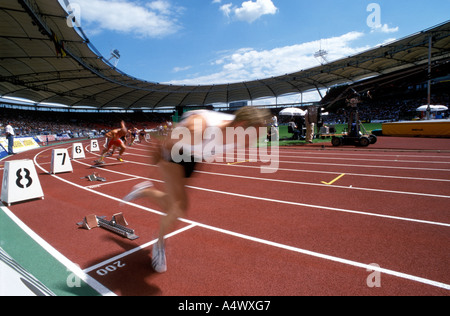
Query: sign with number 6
(78, 151)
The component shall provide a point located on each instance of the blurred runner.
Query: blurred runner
(174, 200)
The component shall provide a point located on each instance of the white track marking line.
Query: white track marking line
(130, 252)
(331, 258)
(319, 184)
(338, 173)
(324, 185)
(303, 204)
(99, 185)
(357, 152)
(291, 203)
(299, 157)
(324, 207)
(100, 288)
(360, 165)
(274, 244)
(318, 171)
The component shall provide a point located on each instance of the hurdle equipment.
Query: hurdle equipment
(20, 182)
(117, 225)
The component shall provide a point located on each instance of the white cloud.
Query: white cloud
(249, 64)
(154, 19)
(226, 9)
(249, 11)
(178, 69)
(159, 5)
(385, 29)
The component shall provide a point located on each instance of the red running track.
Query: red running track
(289, 233)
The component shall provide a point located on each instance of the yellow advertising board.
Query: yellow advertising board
(434, 128)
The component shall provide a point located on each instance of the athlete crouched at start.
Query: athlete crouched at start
(115, 139)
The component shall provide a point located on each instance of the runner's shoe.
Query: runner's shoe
(120, 159)
(99, 162)
(137, 190)
(159, 258)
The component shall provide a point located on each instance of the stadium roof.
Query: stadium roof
(45, 60)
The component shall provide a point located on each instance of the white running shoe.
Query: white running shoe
(137, 189)
(159, 258)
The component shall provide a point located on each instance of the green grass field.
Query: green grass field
(285, 136)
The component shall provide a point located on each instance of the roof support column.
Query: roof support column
(318, 90)
(430, 46)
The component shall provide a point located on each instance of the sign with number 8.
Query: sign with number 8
(20, 182)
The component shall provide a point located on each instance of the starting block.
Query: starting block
(94, 177)
(117, 225)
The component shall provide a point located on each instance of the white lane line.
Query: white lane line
(340, 172)
(99, 185)
(324, 185)
(300, 157)
(359, 166)
(291, 203)
(130, 252)
(362, 165)
(100, 288)
(367, 267)
(319, 184)
(319, 171)
(270, 243)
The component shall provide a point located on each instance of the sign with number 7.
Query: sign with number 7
(60, 161)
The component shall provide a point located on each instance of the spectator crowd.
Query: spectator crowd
(79, 124)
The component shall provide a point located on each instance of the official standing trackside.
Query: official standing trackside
(9, 130)
(310, 121)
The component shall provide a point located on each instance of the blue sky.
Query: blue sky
(221, 41)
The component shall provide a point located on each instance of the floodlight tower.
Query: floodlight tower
(116, 56)
(322, 55)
